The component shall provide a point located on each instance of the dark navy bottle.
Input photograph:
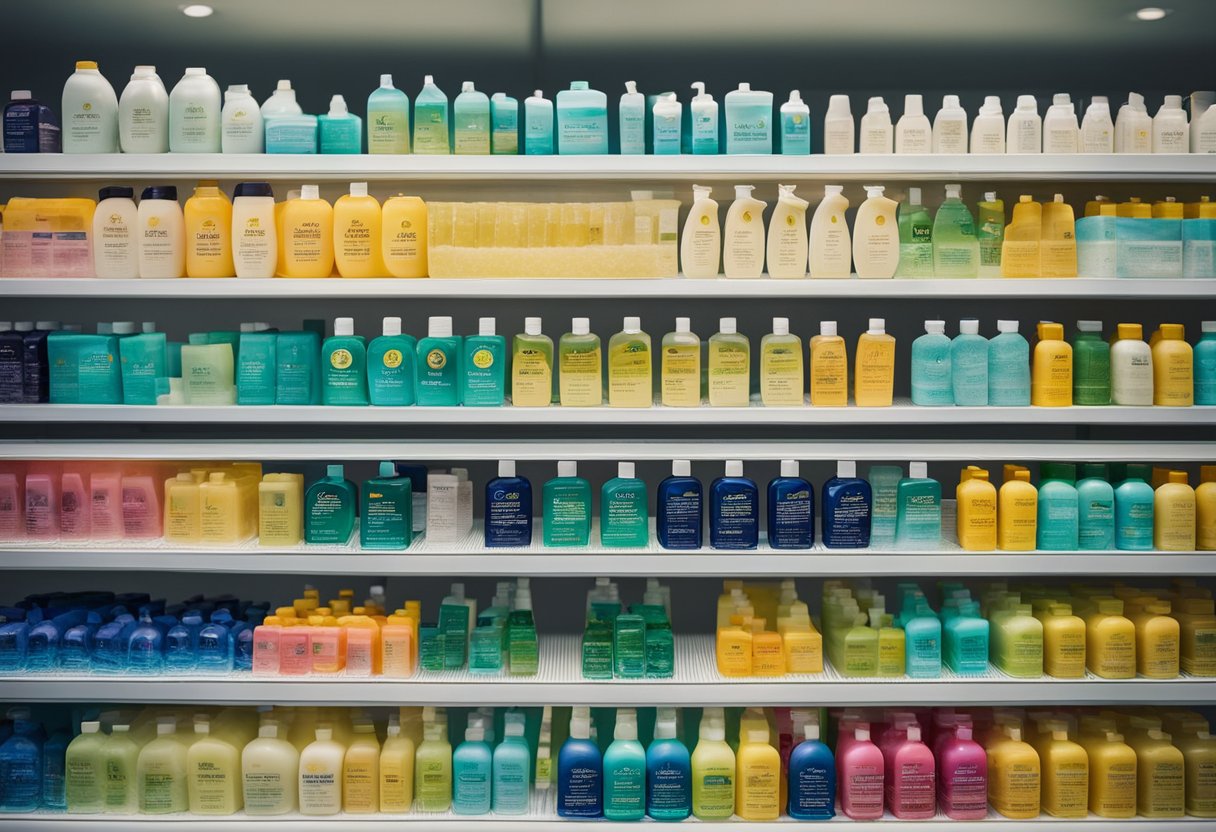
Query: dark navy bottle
(580, 771)
(846, 509)
(812, 779)
(791, 509)
(508, 508)
(679, 511)
(734, 510)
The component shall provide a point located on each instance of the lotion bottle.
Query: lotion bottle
(241, 128)
(838, 127)
(701, 241)
(877, 134)
(703, 122)
(1171, 132)
(1060, 131)
(632, 112)
(194, 113)
(1133, 127)
(988, 129)
(1025, 133)
(1097, 129)
(91, 129)
(876, 235)
(787, 235)
(743, 245)
(795, 126)
(143, 113)
(950, 127)
(913, 133)
(830, 246)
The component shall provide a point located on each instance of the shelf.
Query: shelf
(574, 287)
(856, 168)
(901, 414)
(560, 682)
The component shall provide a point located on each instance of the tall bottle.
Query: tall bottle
(1171, 131)
(532, 366)
(950, 127)
(1131, 368)
(876, 235)
(956, 251)
(743, 242)
(729, 366)
(829, 368)
(538, 125)
(877, 134)
(931, 374)
(580, 366)
(431, 135)
(1060, 131)
(357, 233)
(625, 770)
(666, 119)
(143, 113)
(580, 771)
(838, 127)
(388, 119)
(874, 376)
(1025, 133)
(632, 125)
(988, 129)
(913, 133)
(1097, 129)
(668, 771)
(1133, 127)
(781, 377)
(89, 112)
(194, 113)
(701, 241)
(471, 121)
(915, 238)
(630, 367)
(1173, 368)
(713, 769)
(830, 247)
(758, 765)
(990, 232)
(680, 367)
(703, 122)
(787, 236)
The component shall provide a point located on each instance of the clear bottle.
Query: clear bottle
(532, 366)
(874, 377)
(680, 367)
(915, 238)
(795, 126)
(703, 123)
(956, 250)
(729, 366)
(632, 121)
(630, 366)
(580, 366)
(782, 380)
(120, 758)
(538, 125)
(990, 232)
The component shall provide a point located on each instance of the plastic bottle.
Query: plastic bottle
(1091, 365)
(787, 235)
(582, 120)
(876, 235)
(625, 771)
(308, 235)
(254, 235)
(632, 112)
(143, 113)
(913, 133)
(795, 126)
(703, 122)
(357, 234)
(1058, 246)
(667, 118)
(92, 128)
(743, 242)
(860, 773)
(830, 247)
(208, 223)
(29, 125)
(877, 135)
(194, 113)
(1097, 128)
(988, 129)
(950, 127)
(472, 773)
(1171, 132)
(749, 117)
(538, 125)
(1060, 131)
(241, 129)
(339, 131)
(969, 365)
(1173, 368)
(956, 250)
(729, 364)
(1025, 133)
(680, 367)
(931, 374)
(116, 234)
(1133, 127)
(282, 102)
(580, 771)
(431, 135)
(504, 124)
(782, 379)
(812, 778)
(701, 240)
(1204, 360)
(838, 127)
(1058, 526)
(875, 366)
(162, 234)
(388, 119)
(915, 238)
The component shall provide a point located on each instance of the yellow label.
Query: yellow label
(681, 376)
(781, 375)
(875, 380)
(829, 374)
(729, 375)
(531, 379)
(580, 379)
(1020, 258)
(436, 359)
(1051, 376)
(483, 359)
(392, 358)
(629, 379)
(340, 359)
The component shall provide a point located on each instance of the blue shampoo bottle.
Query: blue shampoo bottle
(668, 771)
(508, 508)
(734, 510)
(791, 509)
(846, 509)
(812, 778)
(679, 511)
(580, 770)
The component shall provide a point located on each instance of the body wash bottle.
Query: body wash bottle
(358, 239)
(679, 513)
(915, 238)
(1134, 503)
(729, 366)
(582, 121)
(538, 125)
(431, 135)
(1131, 368)
(512, 768)
(990, 232)
(795, 126)
(734, 510)
(471, 121)
(1091, 374)
(483, 362)
(743, 243)
(758, 776)
(703, 122)
(956, 249)
(791, 509)
(143, 116)
(913, 133)
(1051, 372)
(668, 771)
(977, 512)
(580, 770)
(630, 367)
(623, 518)
(931, 372)
(329, 508)
(388, 119)
(1097, 130)
(787, 237)
(876, 236)
(472, 764)
(532, 366)
(339, 130)
(782, 380)
(830, 251)
(874, 376)
(1061, 133)
(829, 368)
(846, 509)
(701, 241)
(632, 126)
(344, 366)
(1017, 512)
(680, 367)
(877, 134)
(1059, 508)
(625, 770)
(567, 507)
(749, 121)
(580, 368)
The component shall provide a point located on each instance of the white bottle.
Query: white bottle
(1060, 130)
(1025, 134)
(743, 244)
(877, 134)
(143, 113)
(1171, 133)
(282, 101)
(1203, 132)
(913, 133)
(838, 127)
(1131, 372)
(787, 240)
(270, 768)
(321, 775)
(703, 123)
(1097, 129)
(701, 242)
(796, 111)
(876, 235)
(1133, 127)
(89, 113)
(115, 234)
(162, 233)
(667, 115)
(830, 247)
(194, 113)
(241, 121)
(950, 127)
(632, 115)
(254, 235)
(1200, 102)
(988, 129)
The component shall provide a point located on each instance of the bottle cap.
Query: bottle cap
(795, 97)
(284, 85)
(467, 86)
(580, 326)
(918, 470)
(789, 467)
(873, 191)
(681, 468)
(1089, 326)
(344, 326)
(389, 326)
(878, 326)
(337, 107)
(685, 324)
(1061, 98)
(876, 105)
(247, 326)
(1027, 102)
(532, 326)
(969, 326)
(580, 85)
(506, 467)
(830, 190)
(485, 326)
(537, 95)
(991, 105)
(954, 191)
(358, 189)
(195, 71)
(427, 80)
(744, 191)
(1130, 332)
(626, 724)
(625, 470)
(1006, 326)
(168, 192)
(914, 196)
(439, 326)
(116, 192)
(846, 469)
(665, 724)
(727, 326)
(567, 468)
(1173, 102)
(745, 86)
(120, 327)
(86, 64)
(310, 192)
(334, 470)
(734, 467)
(21, 95)
(781, 326)
(632, 324)
(1179, 477)
(838, 105)
(950, 102)
(1207, 326)
(935, 327)
(827, 329)
(914, 105)
(811, 731)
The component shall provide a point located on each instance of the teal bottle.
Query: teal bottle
(582, 121)
(918, 509)
(471, 122)
(1095, 508)
(931, 375)
(969, 365)
(538, 125)
(1134, 510)
(966, 637)
(329, 508)
(1090, 365)
(344, 366)
(386, 514)
(923, 642)
(624, 521)
(438, 365)
(512, 768)
(625, 770)
(567, 507)
(390, 366)
(484, 361)
(1008, 367)
(1058, 508)
(388, 119)
(1204, 356)
(504, 125)
(915, 238)
(472, 772)
(884, 489)
(431, 134)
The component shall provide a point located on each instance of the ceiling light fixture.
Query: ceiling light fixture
(197, 10)
(1151, 13)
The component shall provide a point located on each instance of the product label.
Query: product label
(629, 382)
(965, 789)
(758, 791)
(531, 378)
(912, 791)
(794, 526)
(320, 790)
(714, 792)
(681, 372)
(567, 518)
(667, 787)
(264, 790)
(580, 378)
(863, 790)
(357, 241)
(508, 522)
(735, 520)
(681, 518)
(781, 375)
(729, 375)
(847, 519)
(623, 516)
(829, 374)
(305, 244)
(625, 790)
(212, 792)
(388, 131)
(875, 372)
(831, 255)
(193, 125)
(580, 791)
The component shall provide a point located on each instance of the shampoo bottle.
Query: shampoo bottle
(829, 368)
(969, 365)
(1173, 368)
(582, 121)
(734, 510)
(1017, 513)
(874, 376)
(830, 248)
(791, 509)
(623, 517)
(1059, 507)
(567, 507)
(956, 250)
(308, 235)
(701, 241)
(143, 113)
(1051, 371)
(977, 513)
(1133, 127)
(1174, 512)
(876, 135)
(787, 235)
(357, 233)
(580, 770)
(749, 120)
(703, 122)
(504, 125)
(632, 112)
(950, 127)
(1171, 132)
(931, 373)
(915, 238)
(1097, 129)
(580, 366)
(1091, 373)
(339, 130)
(194, 113)
(508, 508)
(625, 770)
(89, 112)
(758, 776)
(1008, 367)
(680, 367)
(913, 133)
(679, 514)
(471, 121)
(860, 772)
(743, 243)
(538, 125)
(472, 764)
(729, 366)
(838, 127)
(630, 366)
(388, 119)
(391, 362)
(438, 364)
(1060, 131)
(876, 235)
(795, 126)
(812, 778)
(667, 117)
(781, 376)
(344, 366)
(990, 232)
(846, 509)
(431, 134)
(668, 771)
(1025, 133)
(918, 508)
(988, 129)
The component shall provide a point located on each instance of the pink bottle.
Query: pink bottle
(105, 506)
(964, 777)
(267, 639)
(859, 775)
(911, 790)
(359, 649)
(41, 508)
(141, 514)
(12, 508)
(74, 513)
(294, 656)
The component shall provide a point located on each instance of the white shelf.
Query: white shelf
(855, 168)
(901, 414)
(575, 287)
(559, 682)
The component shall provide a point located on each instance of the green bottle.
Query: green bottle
(580, 366)
(567, 507)
(915, 238)
(386, 515)
(484, 361)
(956, 251)
(438, 364)
(344, 366)
(523, 648)
(1090, 365)
(623, 518)
(532, 366)
(329, 508)
(990, 231)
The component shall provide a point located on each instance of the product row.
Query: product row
(623, 764)
(193, 119)
(45, 361)
(1105, 508)
(304, 236)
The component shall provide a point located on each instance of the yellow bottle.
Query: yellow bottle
(308, 235)
(1174, 514)
(1168, 209)
(1013, 775)
(1063, 642)
(1193, 210)
(396, 770)
(361, 771)
(892, 645)
(208, 218)
(829, 368)
(1160, 773)
(977, 513)
(729, 360)
(580, 366)
(1199, 754)
(758, 777)
(713, 769)
(1020, 251)
(1197, 637)
(280, 510)
(768, 651)
(781, 375)
(1017, 512)
(1065, 774)
(213, 771)
(1112, 776)
(1173, 368)
(1110, 640)
(874, 374)
(220, 516)
(1205, 509)
(734, 647)
(803, 647)
(357, 238)
(280, 247)
(1058, 248)
(1135, 208)
(183, 509)
(680, 367)
(630, 367)
(404, 236)
(1051, 369)
(1093, 207)
(1157, 641)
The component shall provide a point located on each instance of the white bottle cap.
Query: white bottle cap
(969, 326)
(428, 79)
(873, 191)
(827, 329)
(745, 86)
(22, 95)
(358, 189)
(580, 326)
(914, 196)
(506, 467)
(1089, 326)
(164, 728)
(918, 470)
(467, 86)
(992, 105)
(632, 324)
(700, 192)
(781, 326)
(386, 79)
(439, 327)
(1061, 98)
(795, 97)
(390, 326)
(625, 470)
(727, 326)
(538, 95)
(1059, 198)
(567, 468)
(878, 326)
(681, 468)
(1006, 326)
(120, 327)
(6, 326)
(626, 724)
(284, 85)
(337, 106)
(829, 190)
(344, 326)
(1099, 101)
(1207, 326)
(1027, 102)
(914, 105)
(683, 325)
(486, 326)
(876, 105)
(310, 192)
(744, 191)
(846, 469)
(1173, 102)
(935, 327)
(954, 191)
(989, 196)
(196, 70)
(1135, 100)
(789, 467)
(950, 102)
(838, 105)
(247, 326)
(90, 726)
(532, 326)
(734, 467)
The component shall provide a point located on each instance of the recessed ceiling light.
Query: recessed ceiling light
(1151, 13)
(199, 10)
